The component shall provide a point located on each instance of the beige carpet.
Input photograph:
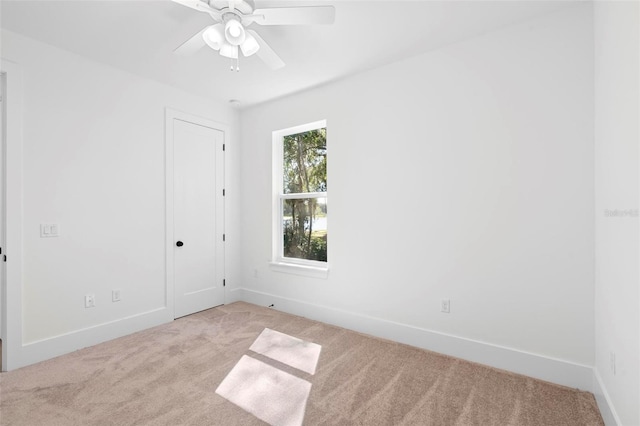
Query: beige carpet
(168, 375)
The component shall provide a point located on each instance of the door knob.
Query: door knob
(179, 243)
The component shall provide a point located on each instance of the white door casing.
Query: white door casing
(2, 243)
(195, 213)
(12, 347)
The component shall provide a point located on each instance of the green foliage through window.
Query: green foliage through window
(305, 162)
(304, 219)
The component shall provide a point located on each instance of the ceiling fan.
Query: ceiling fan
(230, 33)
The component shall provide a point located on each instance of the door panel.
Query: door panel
(198, 217)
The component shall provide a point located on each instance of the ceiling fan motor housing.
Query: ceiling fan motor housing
(245, 7)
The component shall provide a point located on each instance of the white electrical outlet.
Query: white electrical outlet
(90, 301)
(445, 306)
(115, 295)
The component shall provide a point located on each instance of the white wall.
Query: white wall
(94, 161)
(616, 146)
(464, 173)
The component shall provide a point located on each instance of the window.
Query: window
(300, 197)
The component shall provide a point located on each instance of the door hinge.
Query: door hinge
(224, 147)
(224, 237)
(224, 283)
(5, 257)
(224, 192)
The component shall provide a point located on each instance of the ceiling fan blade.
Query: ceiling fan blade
(192, 45)
(266, 53)
(309, 15)
(194, 4)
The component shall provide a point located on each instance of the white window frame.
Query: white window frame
(313, 268)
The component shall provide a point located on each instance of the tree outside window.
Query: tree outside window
(303, 195)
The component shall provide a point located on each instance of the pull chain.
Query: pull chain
(237, 66)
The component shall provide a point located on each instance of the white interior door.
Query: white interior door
(198, 249)
(2, 240)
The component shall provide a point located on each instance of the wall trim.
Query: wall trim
(12, 283)
(234, 295)
(51, 347)
(607, 409)
(549, 369)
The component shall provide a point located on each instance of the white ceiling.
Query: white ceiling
(140, 36)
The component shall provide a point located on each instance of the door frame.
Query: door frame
(11, 144)
(170, 115)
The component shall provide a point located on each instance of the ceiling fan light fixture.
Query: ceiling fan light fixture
(214, 36)
(229, 51)
(250, 45)
(234, 32)
(230, 34)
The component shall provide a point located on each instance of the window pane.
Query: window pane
(304, 228)
(305, 162)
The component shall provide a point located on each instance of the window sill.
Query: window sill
(304, 270)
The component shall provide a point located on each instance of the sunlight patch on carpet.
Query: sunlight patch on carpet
(289, 350)
(268, 393)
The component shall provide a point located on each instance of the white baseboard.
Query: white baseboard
(538, 366)
(545, 368)
(51, 347)
(234, 295)
(607, 410)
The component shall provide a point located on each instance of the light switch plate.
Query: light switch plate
(48, 230)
